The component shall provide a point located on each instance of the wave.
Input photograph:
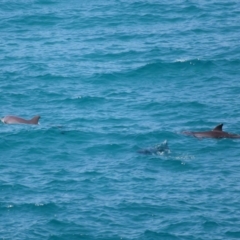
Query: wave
(172, 68)
(148, 234)
(26, 207)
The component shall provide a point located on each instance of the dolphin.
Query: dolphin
(157, 150)
(18, 120)
(217, 132)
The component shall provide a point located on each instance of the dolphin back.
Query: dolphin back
(19, 120)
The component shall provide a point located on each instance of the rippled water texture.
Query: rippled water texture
(112, 80)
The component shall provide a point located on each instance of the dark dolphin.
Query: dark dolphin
(217, 132)
(18, 120)
(157, 150)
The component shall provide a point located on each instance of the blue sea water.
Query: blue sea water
(110, 78)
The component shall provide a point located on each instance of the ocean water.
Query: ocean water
(110, 78)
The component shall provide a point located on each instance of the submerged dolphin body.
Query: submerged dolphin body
(157, 150)
(217, 132)
(18, 120)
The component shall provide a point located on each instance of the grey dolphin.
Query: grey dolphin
(157, 150)
(18, 120)
(217, 132)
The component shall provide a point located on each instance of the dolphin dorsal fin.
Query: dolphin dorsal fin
(34, 120)
(218, 127)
